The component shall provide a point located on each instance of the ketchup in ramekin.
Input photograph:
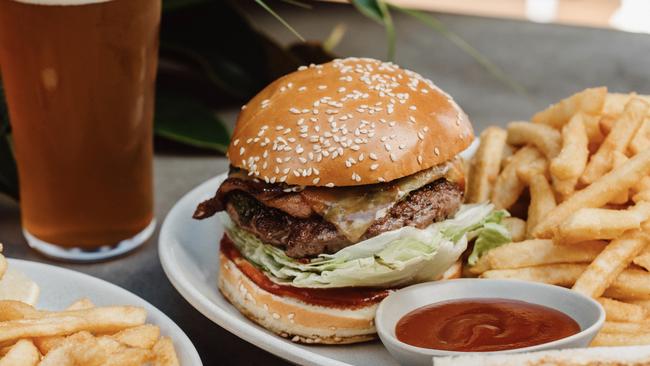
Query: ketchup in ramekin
(483, 325)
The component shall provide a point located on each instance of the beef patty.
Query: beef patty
(307, 237)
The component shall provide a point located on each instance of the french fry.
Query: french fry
(589, 101)
(485, 164)
(508, 186)
(606, 123)
(610, 263)
(552, 274)
(601, 223)
(620, 339)
(85, 349)
(144, 336)
(615, 102)
(23, 353)
(644, 303)
(619, 311)
(13, 310)
(537, 252)
(516, 227)
(165, 353)
(618, 159)
(542, 199)
(595, 135)
(46, 344)
(99, 320)
(631, 284)
(597, 194)
(642, 260)
(641, 140)
(81, 304)
(618, 139)
(626, 327)
(570, 163)
(545, 138)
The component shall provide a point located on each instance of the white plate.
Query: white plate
(60, 287)
(188, 251)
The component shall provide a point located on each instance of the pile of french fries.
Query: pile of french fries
(577, 180)
(81, 335)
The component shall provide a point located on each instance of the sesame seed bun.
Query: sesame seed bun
(348, 122)
(297, 320)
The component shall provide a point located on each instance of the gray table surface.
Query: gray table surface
(549, 61)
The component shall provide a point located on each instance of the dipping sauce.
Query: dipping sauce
(483, 325)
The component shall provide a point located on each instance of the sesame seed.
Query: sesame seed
(420, 135)
(329, 185)
(236, 142)
(243, 107)
(316, 180)
(393, 157)
(372, 156)
(436, 151)
(241, 150)
(413, 108)
(420, 159)
(374, 166)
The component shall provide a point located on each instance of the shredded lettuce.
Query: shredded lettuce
(394, 258)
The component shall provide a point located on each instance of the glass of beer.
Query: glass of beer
(79, 78)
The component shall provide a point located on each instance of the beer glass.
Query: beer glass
(79, 79)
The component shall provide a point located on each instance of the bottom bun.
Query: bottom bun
(294, 319)
(291, 318)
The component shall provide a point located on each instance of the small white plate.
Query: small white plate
(188, 251)
(60, 287)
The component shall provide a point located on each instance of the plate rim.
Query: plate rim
(20, 264)
(244, 329)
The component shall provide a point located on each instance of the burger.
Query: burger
(345, 183)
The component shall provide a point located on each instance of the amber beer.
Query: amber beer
(79, 80)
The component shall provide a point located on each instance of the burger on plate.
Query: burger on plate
(345, 183)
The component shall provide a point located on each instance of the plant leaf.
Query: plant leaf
(454, 38)
(378, 11)
(280, 19)
(187, 120)
(390, 28)
(369, 8)
(8, 172)
(299, 4)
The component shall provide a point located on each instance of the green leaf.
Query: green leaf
(378, 11)
(280, 19)
(189, 121)
(454, 38)
(299, 4)
(369, 8)
(8, 172)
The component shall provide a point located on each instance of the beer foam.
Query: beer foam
(61, 2)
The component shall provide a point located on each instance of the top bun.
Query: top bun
(345, 123)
